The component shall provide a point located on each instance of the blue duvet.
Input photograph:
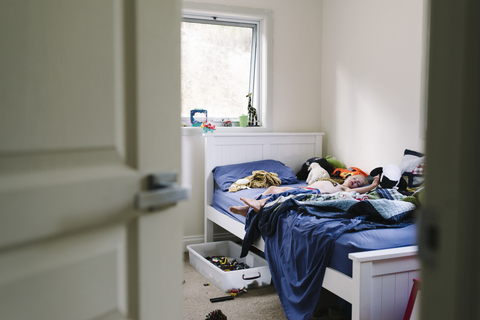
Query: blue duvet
(300, 230)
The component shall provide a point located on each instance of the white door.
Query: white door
(449, 233)
(89, 106)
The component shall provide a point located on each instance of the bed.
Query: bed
(376, 282)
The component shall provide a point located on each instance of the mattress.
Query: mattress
(347, 243)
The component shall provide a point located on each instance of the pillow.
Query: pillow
(412, 167)
(226, 175)
(335, 163)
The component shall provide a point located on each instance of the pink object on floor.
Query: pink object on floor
(411, 300)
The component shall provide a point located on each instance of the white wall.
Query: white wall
(371, 80)
(296, 90)
(351, 69)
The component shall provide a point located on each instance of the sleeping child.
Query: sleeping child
(357, 183)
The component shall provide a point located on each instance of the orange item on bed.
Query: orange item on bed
(351, 171)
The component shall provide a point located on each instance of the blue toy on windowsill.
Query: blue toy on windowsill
(196, 122)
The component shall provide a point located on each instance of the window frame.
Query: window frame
(261, 81)
(254, 25)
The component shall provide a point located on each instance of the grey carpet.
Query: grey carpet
(257, 304)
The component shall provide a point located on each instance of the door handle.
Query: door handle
(162, 190)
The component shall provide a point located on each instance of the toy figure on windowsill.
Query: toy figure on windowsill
(206, 127)
(252, 113)
(198, 120)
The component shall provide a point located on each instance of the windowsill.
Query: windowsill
(197, 131)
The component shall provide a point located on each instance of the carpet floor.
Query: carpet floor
(257, 304)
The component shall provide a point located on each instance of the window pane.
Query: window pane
(215, 69)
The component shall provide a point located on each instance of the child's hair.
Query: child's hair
(365, 181)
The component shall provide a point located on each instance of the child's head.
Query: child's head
(355, 181)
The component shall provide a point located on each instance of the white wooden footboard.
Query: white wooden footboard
(381, 280)
(380, 284)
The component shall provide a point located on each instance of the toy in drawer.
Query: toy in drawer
(256, 275)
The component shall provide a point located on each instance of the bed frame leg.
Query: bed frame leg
(361, 305)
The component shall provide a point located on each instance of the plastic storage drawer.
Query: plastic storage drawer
(256, 276)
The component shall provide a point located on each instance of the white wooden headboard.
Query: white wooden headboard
(293, 149)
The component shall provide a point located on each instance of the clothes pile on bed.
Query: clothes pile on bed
(258, 179)
(300, 229)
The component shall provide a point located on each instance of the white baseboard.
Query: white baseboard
(191, 240)
(200, 239)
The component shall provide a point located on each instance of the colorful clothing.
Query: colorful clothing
(345, 173)
(314, 189)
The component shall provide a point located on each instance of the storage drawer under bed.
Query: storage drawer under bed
(257, 275)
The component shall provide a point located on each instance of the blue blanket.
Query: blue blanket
(300, 230)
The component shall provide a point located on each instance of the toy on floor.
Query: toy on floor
(220, 299)
(236, 292)
(216, 315)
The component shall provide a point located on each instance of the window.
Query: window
(218, 66)
(224, 59)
